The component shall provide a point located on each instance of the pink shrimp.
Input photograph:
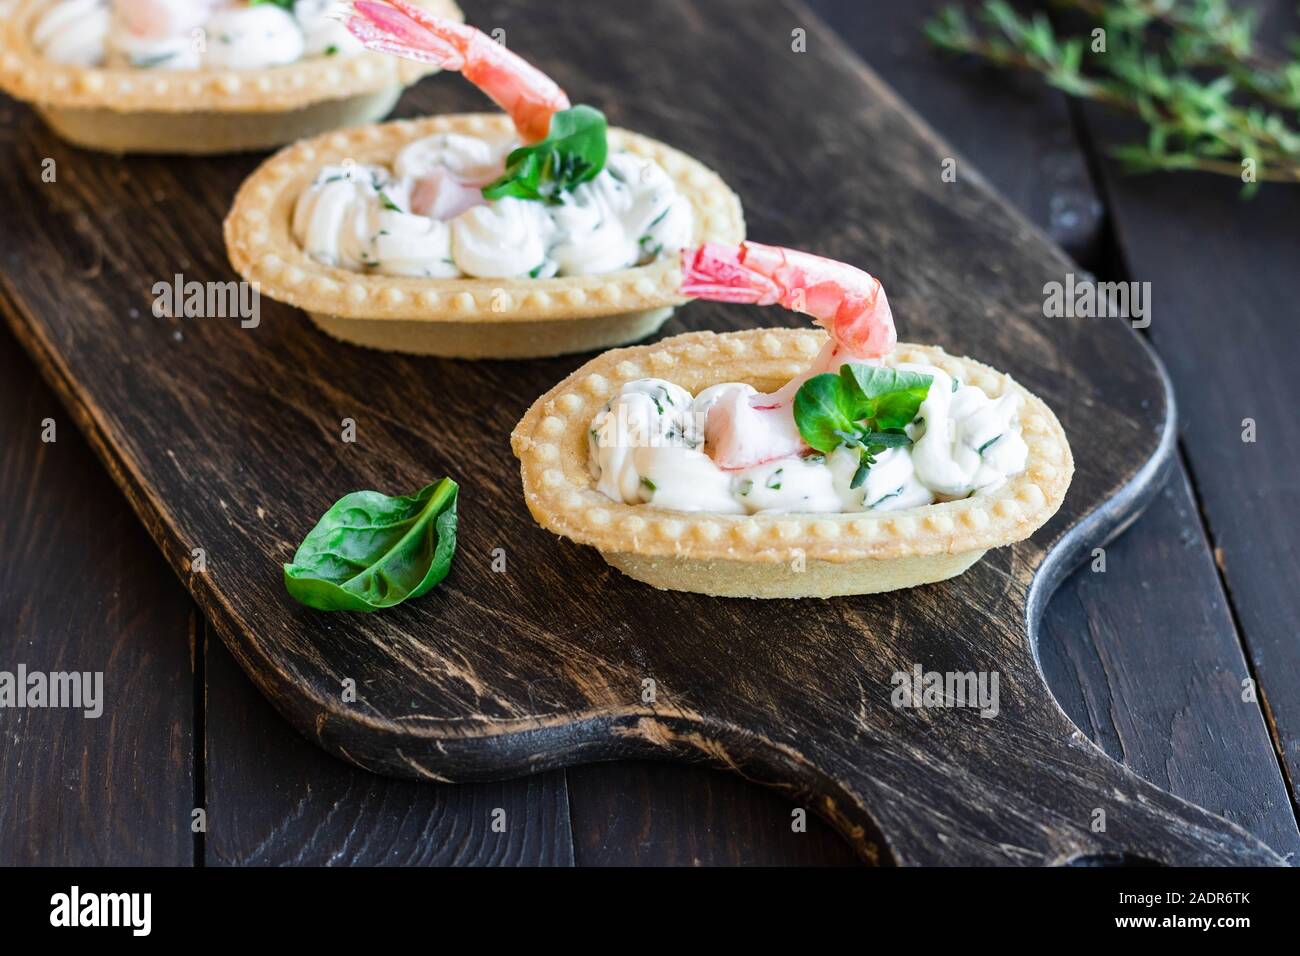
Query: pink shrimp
(525, 92)
(743, 431)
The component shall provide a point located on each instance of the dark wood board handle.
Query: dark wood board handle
(229, 439)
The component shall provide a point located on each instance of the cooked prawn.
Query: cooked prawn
(850, 304)
(400, 28)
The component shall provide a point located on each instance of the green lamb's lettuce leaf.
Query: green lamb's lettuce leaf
(573, 152)
(887, 396)
(369, 551)
(865, 407)
(823, 413)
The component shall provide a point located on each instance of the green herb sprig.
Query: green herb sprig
(1190, 71)
(864, 407)
(573, 152)
(370, 551)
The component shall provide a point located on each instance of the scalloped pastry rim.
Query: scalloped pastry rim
(262, 249)
(561, 494)
(27, 75)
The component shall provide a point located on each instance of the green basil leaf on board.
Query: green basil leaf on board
(369, 551)
(573, 152)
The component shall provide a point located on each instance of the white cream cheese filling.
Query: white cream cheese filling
(628, 215)
(647, 446)
(189, 34)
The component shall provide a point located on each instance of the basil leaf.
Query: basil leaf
(821, 413)
(887, 396)
(370, 551)
(573, 152)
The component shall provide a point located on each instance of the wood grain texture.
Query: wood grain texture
(1144, 658)
(229, 439)
(1006, 127)
(115, 790)
(1236, 329)
(273, 799)
(1234, 326)
(639, 813)
(1117, 649)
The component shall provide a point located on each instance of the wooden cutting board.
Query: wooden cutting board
(230, 440)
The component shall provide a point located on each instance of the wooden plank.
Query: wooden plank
(274, 799)
(1019, 131)
(638, 813)
(221, 437)
(1144, 658)
(85, 590)
(1223, 277)
(1010, 130)
(124, 823)
(1017, 136)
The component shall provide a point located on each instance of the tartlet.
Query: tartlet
(134, 110)
(777, 555)
(514, 231)
(461, 318)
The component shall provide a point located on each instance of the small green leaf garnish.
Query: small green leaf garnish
(774, 480)
(822, 412)
(864, 407)
(874, 440)
(388, 203)
(992, 441)
(369, 551)
(832, 410)
(573, 152)
(885, 396)
(860, 475)
(648, 484)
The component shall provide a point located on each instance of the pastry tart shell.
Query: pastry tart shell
(201, 112)
(461, 318)
(779, 555)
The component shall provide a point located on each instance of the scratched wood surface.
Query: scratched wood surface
(251, 419)
(113, 789)
(1151, 677)
(1237, 328)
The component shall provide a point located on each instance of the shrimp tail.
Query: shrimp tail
(403, 29)
(717, 272)
(846, 301)
(401, 40)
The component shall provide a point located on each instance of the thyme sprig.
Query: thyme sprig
(1189, 70)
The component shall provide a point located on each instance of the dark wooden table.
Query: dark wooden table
(1148, 658)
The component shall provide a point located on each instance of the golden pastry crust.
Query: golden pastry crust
(551, 444)
(27, 75)
(259, 239)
